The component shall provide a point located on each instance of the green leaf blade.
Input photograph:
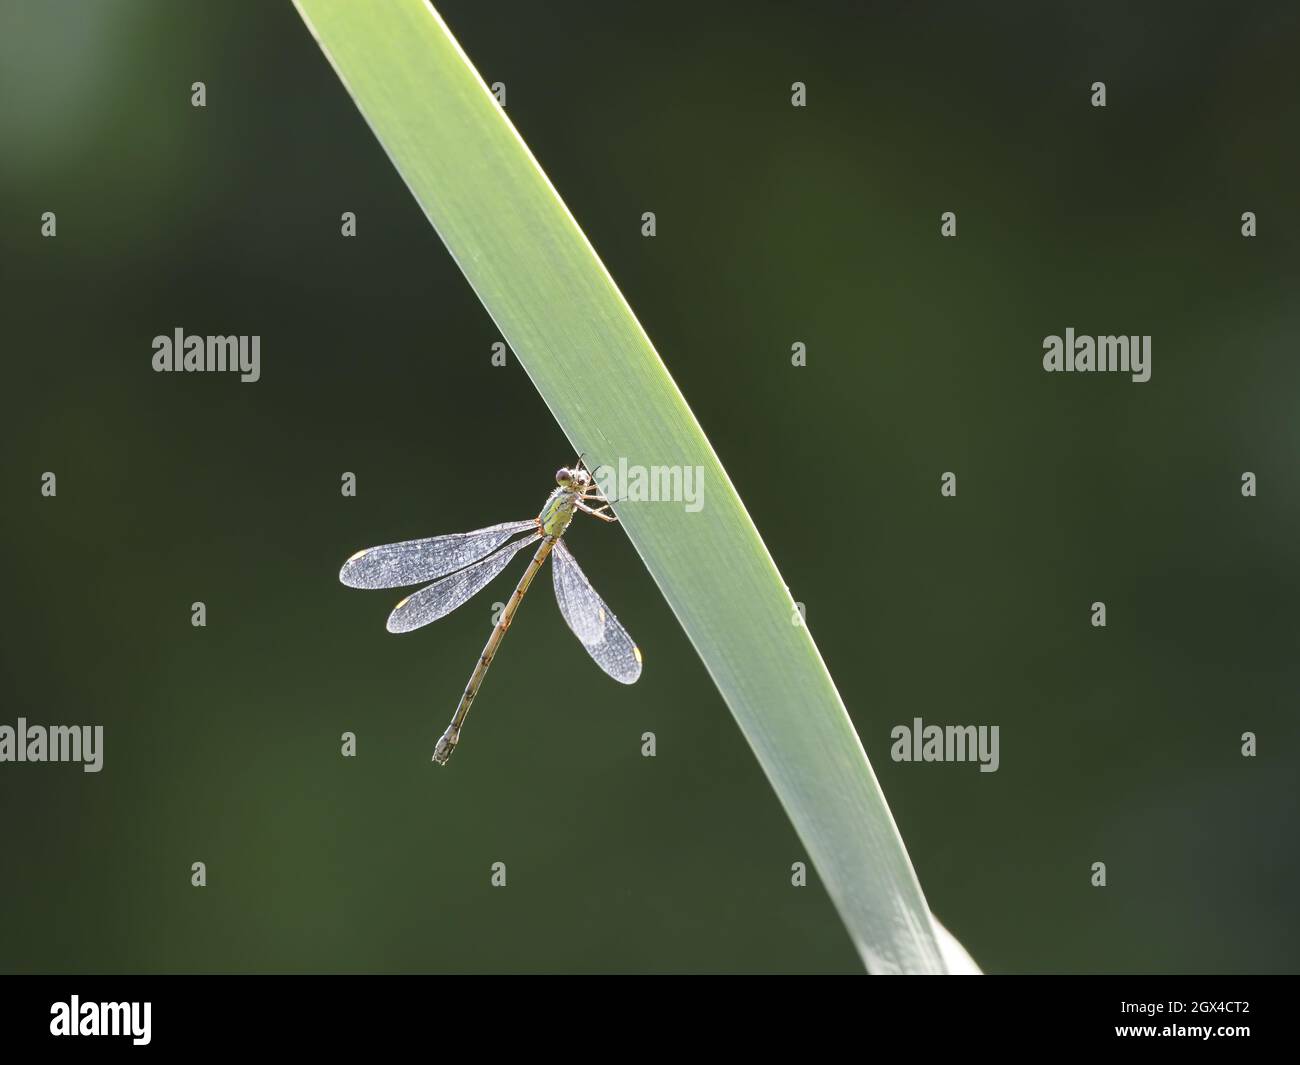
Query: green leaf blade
(566, 321)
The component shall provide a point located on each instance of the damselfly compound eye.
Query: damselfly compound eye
(562, 475)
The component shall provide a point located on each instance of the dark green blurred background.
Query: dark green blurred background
(775, 225)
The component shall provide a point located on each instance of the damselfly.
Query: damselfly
(466, 562)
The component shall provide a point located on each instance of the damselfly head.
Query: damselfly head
(572, 478)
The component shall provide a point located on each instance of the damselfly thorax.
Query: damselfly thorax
(563, 502)
(464, 563)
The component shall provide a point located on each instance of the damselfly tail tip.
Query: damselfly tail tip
(446, 744)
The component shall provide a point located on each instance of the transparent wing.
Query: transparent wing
(591, 621)
(413, 561)
(442, 597)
